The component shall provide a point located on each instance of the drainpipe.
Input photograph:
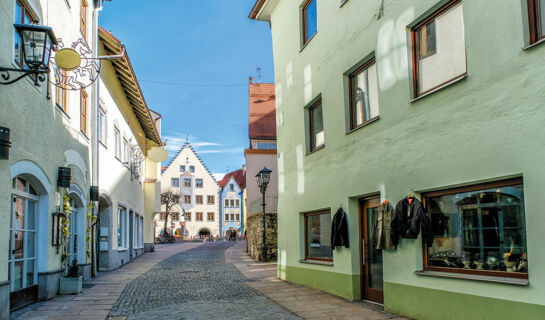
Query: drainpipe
(94, 136)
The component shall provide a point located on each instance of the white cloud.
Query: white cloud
(218, 176)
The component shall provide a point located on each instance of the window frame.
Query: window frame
(122, 227)
(534, 33)
(32, 18)
(187, 183)
(208, 199)
(197, 183)
(192, 169)
(187, 197)
(182, 168)
(175, 185)
(197, 198)
(351, 77)
(60, 91)
(311, 134)
(469, 188)
(83, 111)
(187, 216)
(83, 18)
(117, 143)
(199, 216)
(309, 214)
(102, 126)
(304, 22)
(210, 214)
(415, 51)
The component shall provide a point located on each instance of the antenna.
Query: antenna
(258, 70)
(187, 138)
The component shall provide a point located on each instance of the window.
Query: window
(83, 18)
(175, 182)
(125, 150)
(231, 187)
(182, 168)
(536, 20)
(187, 182)
(439, 53)
(121, 227)
(265, 145)
(226, 202)
(83, 109)
(318, 236)
(363, 94)
(309, 20)
(163, 215)
(187, 199)
(176, 216)
(22, 16)
(226, 217)
(210, 216)
(117, 142)
(198, 183)
(232, 203)
(232, 217)
(237, 203)
(192, 169)
(479, 229)
(210, 199)
(102, 126)
(188, 216)
(316, 126)
(198, 216)
(60, 90)
(198, 199)
(237, 217)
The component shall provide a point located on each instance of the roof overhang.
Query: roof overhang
(129, 83)
(262, 10)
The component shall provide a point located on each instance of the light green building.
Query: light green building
(378, 100)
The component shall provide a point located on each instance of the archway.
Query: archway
(76, 248)
(204, 233)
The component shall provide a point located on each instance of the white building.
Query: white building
(188, 176)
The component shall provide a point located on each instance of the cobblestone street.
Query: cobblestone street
(198, 281)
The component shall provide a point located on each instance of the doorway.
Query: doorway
(371, 267)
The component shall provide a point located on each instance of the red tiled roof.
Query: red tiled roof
(262, 111)
(239, 176)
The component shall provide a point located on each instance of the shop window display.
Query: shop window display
(318, 236)
(479, 229)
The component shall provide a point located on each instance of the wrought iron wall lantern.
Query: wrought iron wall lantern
(37, 43)
(136, 157)
(93, 193)
(5, 143)
(64, 177)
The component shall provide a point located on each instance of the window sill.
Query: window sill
(306, 43)
(122, 249)
(440, 87)
(368, 122)
(84, 135)
(317, 149)
(530, 46)
(59, 108)
(319, 262)
(475, 277)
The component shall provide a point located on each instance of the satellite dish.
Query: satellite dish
(158, 154)
(67, 59)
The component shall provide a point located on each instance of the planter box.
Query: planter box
(71, 285)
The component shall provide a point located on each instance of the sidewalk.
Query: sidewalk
(307, 303)
(102, 292)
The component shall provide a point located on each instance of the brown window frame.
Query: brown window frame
(199, 216)
(316, 104)
(534, 21)
(469, 188)
(187, 216)
(208, 199)
(60, 94)
(308, 214)
(83, 18)
(197, 184)
(187, 197)
(25, 12)
(416, 54)
(210, 216)
(83, 111)
(304, 18)
(197, 198)
(351, 77)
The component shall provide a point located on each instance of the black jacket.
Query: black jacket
(339, 230)
(409, 219)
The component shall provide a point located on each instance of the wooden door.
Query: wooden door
(370, 257)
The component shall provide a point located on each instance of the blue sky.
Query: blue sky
(209, 48)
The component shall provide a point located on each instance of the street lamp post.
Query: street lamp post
(263, 178)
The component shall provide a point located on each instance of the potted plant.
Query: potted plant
(72, 283)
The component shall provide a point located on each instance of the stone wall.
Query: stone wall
(254, 236)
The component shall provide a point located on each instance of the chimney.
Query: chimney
(251, 80)
(244, 167)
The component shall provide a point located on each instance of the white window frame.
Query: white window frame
(117, 143)
(122, 227)
(102, 126)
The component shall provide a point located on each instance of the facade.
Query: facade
(231, 203)
(383, 101)
(189, 177)
(46, 133)
(126, 127)
(261, 153)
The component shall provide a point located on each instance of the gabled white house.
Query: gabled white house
(188, 176)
